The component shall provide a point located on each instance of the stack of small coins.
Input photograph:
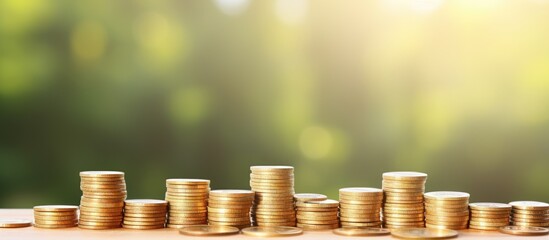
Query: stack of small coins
(230, 208)
(187, 201)
(102, 200)
(489, 216)
(360, 207)
(447, 210)
(403, 204)
(530, 213)
(274, 195)
(145, 214)
(318, 215)
(55, 216)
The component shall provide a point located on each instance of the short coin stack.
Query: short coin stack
(187, 201)
(318, 215)
(145, 214)
(360, 207)
(489, 216)
(55, 216)
(403, 203)
(447, 210)
(230, 208)
(274, 195)
(530, 214)
(102, 200)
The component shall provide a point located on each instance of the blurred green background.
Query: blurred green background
(342, 90)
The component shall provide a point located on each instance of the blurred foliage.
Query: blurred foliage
(342, 90)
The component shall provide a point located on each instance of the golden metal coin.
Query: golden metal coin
(529, 205)
(524, 231)
(316, 227)
(55, 226)
(208, 230)
(405, 176)
(446, 195)
(423, 233)
(101, 174)
(187, 181)
(276, 231)
(489, 206)
(14, 223)
(362, 232)
(55, 208)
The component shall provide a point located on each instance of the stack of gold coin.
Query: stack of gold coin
(230, 208)
(403, 204)
(274, 195)
(318, 215)
(530, 214)
(360, 207)
(102, 200)
(145, 213)
(447, 210)
(187, 202)
(55, 216)
(489, 216)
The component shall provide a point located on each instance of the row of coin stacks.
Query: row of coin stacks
(274, 196)
(272, 202)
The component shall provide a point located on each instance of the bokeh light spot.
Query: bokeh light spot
(189, 105)
(232, 7)
(88, 41)
(316, 142)
(292, 11)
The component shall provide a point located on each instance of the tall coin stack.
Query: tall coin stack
(447, 210)
(530, 213)
(489, 216)
(230, 208)
(187, 201)
(145, 214)
(274, 195)
(403, 204)
(55, 216)
(318, 215)
(102, 202)
(360, 207)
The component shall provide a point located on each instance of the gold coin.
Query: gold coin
(55, 222)
(529, 205)
(55, 218)
(315, 227)
(404, 176)
(360, 206)
(304, 197)
(55, 208)
(187, 181)
(55, 214)
(524, 231)
(318, 221)
(277, 231)
(14, 223)
(143, 227)
(446, 195)
(319, 204)
(268, 169)
(489, 206)
(361, 232)
(443, 227)
(101, 174)
(54, 226)
(423, 233)
(208, 230)
(360, 191)
(489, 224)
(145, 202)
(360, 224)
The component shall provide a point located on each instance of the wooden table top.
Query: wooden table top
(168, 233)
